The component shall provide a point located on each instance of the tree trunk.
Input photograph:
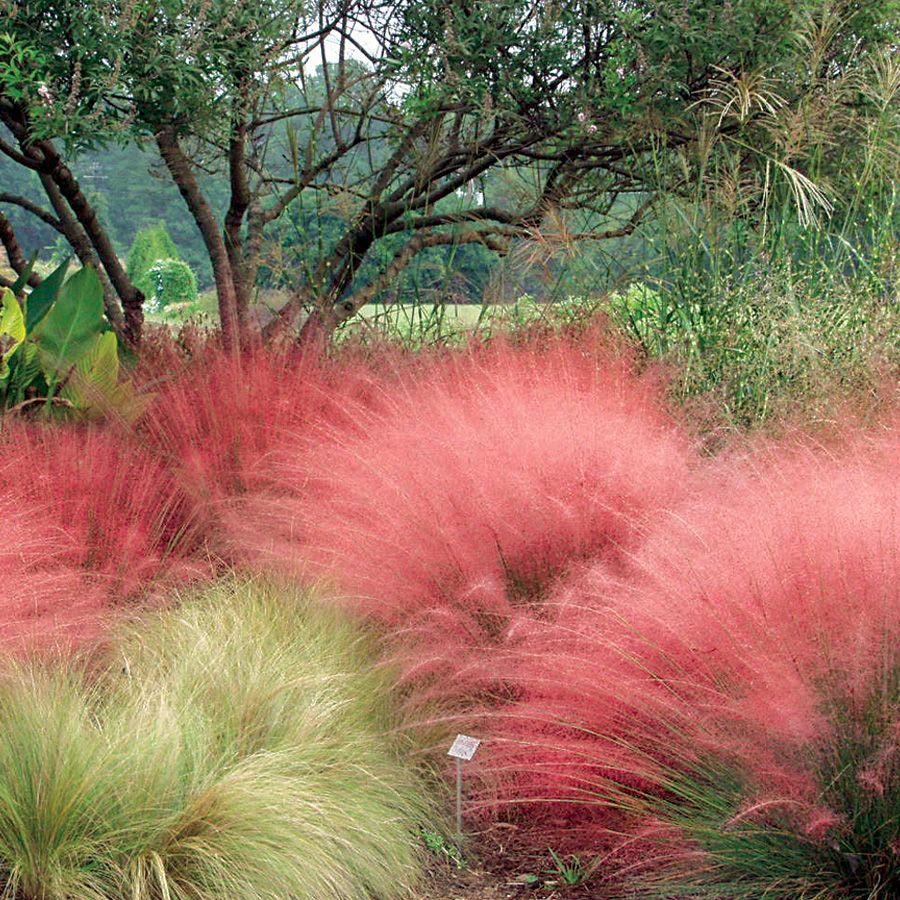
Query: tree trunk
(234, 220)
(81, 226)
(284, 323)
(14, 253)
(79, 242)
(182, 173)
(315, 335)
(132, 299)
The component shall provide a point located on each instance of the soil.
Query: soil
(476, 884)
(499, 869)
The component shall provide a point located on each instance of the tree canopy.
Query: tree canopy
(370, 127)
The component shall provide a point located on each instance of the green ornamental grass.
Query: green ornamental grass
(237, 747)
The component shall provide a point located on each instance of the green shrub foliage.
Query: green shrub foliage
(173, 281)
(150, 244)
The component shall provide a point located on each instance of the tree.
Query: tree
(379, 117)
(54, 102)
(150, 245)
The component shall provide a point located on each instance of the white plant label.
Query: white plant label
(464, 747)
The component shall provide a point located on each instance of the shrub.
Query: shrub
(150, 244)
(770, 333)
(451, 503)
(173, 281)
(236, 748)
(735, 698)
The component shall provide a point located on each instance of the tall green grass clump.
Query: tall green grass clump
(256, 681)
(755, 349)
(770, 276)
(770, 322)
(235, 747)
(59, 788)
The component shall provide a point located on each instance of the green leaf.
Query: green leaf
(12, 329)
(96, 375)
(24, 369)
(21, 282)
(41, 298)
(94, 387)
(129, 405)
(101, 366)
(69, 330)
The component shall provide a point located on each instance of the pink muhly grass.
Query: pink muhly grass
(118, 516)
(217, 424)
(44, 602)
(739, 684)
(448, 503)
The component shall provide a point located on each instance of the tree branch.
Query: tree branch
(41, 213)
(349, 306)
(19, 158)
(182, 173)
(78, 241)
(14, 251)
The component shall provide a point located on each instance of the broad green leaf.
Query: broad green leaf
(22, 281)
(128, 405)
(69, 330)
(94, 386)
(41, 298)
(96, 375)
(12, 329)
(24, 369)
(101, 365)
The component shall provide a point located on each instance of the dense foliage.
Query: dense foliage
(150, 244)
(173, 282)
(447, 132)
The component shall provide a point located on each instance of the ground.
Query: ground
(497, 868)
(446, 883)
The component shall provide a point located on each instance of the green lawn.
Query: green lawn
(402, 317)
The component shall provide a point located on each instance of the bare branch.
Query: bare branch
(43, 214)
(14, 251)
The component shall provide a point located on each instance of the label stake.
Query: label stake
(462, 749)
